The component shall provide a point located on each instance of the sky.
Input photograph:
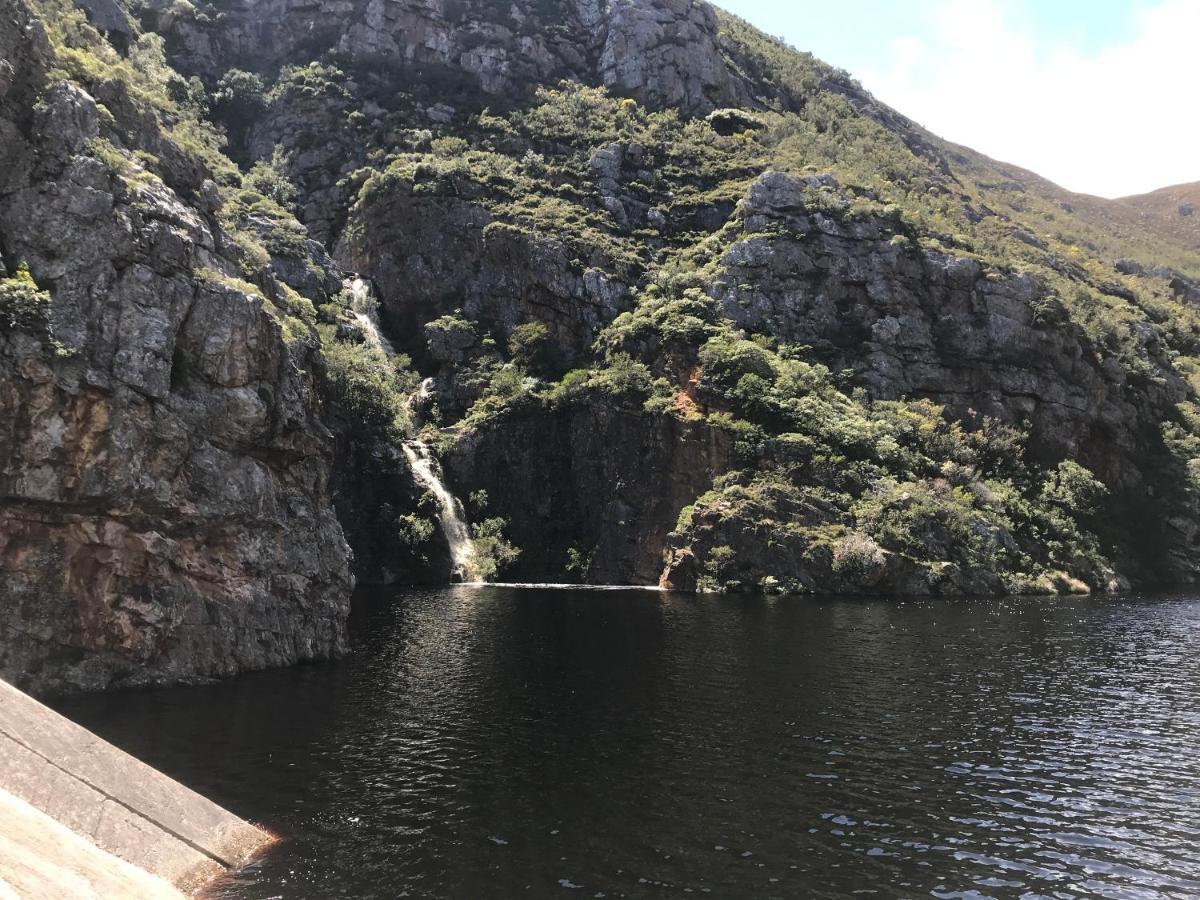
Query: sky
(1099, 96)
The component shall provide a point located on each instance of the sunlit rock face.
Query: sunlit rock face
(163, 468)
(660, 52)
(913, 323)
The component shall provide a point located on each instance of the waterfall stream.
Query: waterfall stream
(450, 515)
(424, 465)
(366, 311)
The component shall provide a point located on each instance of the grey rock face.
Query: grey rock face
(110, 17)
(660, 52)
(665, 54)
(65, 121)
(912, 323)
(164, 475)
(414, 245)
(605, 482)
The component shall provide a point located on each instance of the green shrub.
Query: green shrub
(239, 99)
(727, 360)
(494, 553)
(926, 521)
(23, 305)
(580, 563)
(1073, 489)
(572, 386)
(533, 349)
(267, 179)
(507, 383)
(857, 558)
(734, 121)
(415, 531)
(312, 80)
(622, 375)
(449, 147)
(367, 387)
(717, 565)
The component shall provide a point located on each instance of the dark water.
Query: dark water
(492, 743)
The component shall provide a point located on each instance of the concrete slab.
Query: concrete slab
(114, 801)
(39, 858)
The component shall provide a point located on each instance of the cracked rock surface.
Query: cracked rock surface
(163, 467)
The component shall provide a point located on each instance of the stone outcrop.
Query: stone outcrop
(665, 54)
(913, 323)
(414, 244)
(594, 484)
(916, 323)
(660, 52)
(785, 541)
(164, 472)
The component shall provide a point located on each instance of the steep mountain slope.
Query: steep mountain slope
(557, 255)
(688, 305)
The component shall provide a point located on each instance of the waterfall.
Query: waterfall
(450, 514)
(427, 471)
(366, 311)
(421, 460)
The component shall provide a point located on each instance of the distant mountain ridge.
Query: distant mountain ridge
(1174, 210)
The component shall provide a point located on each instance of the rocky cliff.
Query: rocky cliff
(163, 466)
(670, 300)
(663, 53)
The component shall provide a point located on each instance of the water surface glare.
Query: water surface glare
(487, 742)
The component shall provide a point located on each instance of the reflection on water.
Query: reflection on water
(493, 742)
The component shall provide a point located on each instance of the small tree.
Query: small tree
(267, 178)
(719, 561)
(1074, 489)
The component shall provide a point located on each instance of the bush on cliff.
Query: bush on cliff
(239, 99)
(26, 307)
(366, 387)
(267, 178)
(23, 305)
(533, 349)
(494, 553)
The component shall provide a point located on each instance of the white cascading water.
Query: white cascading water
(454, 526)
(424, 466)
(366, 310)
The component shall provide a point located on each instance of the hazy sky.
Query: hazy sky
(1100, 96)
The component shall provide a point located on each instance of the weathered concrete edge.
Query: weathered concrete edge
(120, 804)
(42, 858)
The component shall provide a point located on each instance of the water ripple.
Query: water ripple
(495, 742)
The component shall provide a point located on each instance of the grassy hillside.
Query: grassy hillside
(1173, 212)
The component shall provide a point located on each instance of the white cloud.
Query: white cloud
(1120, 121)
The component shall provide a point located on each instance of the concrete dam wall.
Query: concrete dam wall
(81, 818)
